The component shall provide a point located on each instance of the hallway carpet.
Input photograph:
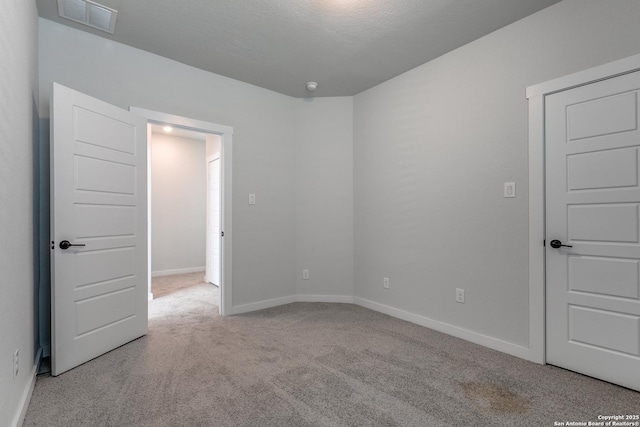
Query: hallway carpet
(309, 364)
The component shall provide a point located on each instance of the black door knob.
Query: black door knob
(65, 244)
(557, 243)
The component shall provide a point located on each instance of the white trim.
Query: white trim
(465, 334)
(536, 95)
(226, 163)
(581, 78)
(536, 231)
(18, 419)
(343, 299)
(261, 305)
(160, 273)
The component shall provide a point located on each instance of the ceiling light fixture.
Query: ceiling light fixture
(167, 129)
(312, 86)
(89, 13)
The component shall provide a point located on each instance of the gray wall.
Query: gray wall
(324, 195)
(265, 149)
(432, 149)
(19, 141)
(178, 203)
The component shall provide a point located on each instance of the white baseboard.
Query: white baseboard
(26, 394)
(176, 271)
(345, 299)
(465, 334)
(261, 305)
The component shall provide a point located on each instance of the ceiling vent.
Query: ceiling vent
(89, 13)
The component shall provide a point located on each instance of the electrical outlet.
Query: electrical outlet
(385, 282)
(305, 274)
(16, 363)
(252, 199)
(460, 295)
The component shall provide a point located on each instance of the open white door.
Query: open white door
(99, 203)
(213, 221)
(593, 229)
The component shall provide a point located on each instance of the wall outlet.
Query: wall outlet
(509, 189)
(385, 282)
(252, 199)
(460, 295)
(305, 274)
(16, 363)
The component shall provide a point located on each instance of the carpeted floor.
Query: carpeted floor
(309, 364)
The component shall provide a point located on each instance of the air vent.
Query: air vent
(89, 13)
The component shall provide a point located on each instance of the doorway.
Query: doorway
(222, 135)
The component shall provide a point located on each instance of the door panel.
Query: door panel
(603, 169)
(593, 198)
(98, 193)
(617, 277)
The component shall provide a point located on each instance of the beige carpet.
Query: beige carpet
(309, 364)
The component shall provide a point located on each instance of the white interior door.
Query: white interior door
(98, 194)
(593, 200)
(213, 221)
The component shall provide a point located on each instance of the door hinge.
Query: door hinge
(544, 242)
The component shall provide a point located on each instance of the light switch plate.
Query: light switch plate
(252, 199)
(509, 189)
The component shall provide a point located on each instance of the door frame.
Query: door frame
(537, 210)
(226, 137)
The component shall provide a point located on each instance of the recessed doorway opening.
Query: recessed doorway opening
(210, 145)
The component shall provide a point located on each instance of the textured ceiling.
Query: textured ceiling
(347, 46)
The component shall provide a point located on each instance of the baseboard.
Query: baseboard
(345, 299)
(465, 334)
(176, 271)
(26, 395)
(261, 305)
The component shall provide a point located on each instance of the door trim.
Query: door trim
(536, 95)
(226, 136)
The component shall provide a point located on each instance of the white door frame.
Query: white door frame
(536, 95)
(226, 136)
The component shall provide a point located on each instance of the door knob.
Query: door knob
(65, 244)
(557, 243)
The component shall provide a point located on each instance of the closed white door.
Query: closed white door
(593, 200)
(213, 221)
(98, 194)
